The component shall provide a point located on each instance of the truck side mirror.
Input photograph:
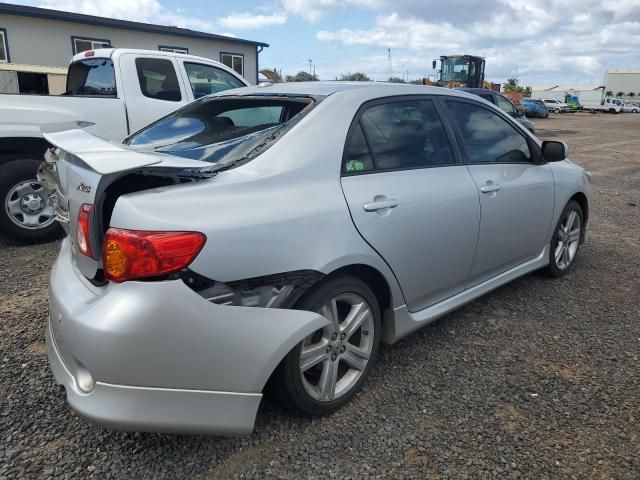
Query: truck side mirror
(433, 65)
(553, 151)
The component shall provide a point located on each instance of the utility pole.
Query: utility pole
(389, 64)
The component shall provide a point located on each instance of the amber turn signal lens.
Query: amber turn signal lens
(115, 259)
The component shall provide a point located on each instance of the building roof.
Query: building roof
(46, 13)
(564, 88)
(625, 70)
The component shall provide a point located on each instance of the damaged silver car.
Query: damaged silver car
(277, 235)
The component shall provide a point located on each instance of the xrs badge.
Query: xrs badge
(84, 188)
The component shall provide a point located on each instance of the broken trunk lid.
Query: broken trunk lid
(85, 166)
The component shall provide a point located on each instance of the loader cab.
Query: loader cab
(461, 71)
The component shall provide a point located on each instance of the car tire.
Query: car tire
(335, 358)
(566, 240)
(25, 217)
(556, 110)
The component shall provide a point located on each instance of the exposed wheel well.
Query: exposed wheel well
(584, 205)
(17, 148)
(374, 279)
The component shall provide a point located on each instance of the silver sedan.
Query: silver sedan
(276, 235)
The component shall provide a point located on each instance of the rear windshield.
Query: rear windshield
(92, 77)
(222, 130)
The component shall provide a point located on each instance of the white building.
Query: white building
(625, 81)
(40, 36)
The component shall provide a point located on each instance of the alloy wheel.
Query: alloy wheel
(333, 359)
(568, 239)
(27, 205)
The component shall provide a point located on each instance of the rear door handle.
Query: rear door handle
(380, 204)
(490, 187)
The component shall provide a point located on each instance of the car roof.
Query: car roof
(326, 88)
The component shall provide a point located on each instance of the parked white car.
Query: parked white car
(112, 93)
(556, 106)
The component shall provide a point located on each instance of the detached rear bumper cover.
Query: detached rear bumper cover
(156, 356)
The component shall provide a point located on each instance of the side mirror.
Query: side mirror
(554, 151)
(433, 65)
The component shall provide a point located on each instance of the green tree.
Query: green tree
(511, 85)
(620, 94)
(631, 94)
(395, 80)
(355, 77)
(609, 93)
(302, 76)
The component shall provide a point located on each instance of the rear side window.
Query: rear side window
(222, 130)
(357, 157)
(92, 77)
(401, 135)
(158, 79)
(487, 137)
(205, 79)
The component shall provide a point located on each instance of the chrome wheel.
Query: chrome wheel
(568, 239)
(27, 205)
(333, 359)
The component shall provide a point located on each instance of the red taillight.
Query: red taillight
(130, 254)
(89, 53)
(83, 228)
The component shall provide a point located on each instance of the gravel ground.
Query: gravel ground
(539, 379)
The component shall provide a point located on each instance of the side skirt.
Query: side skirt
(406, 322)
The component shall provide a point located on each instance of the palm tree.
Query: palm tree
(620, 94)
(609, 93)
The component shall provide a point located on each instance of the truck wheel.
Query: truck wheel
(26, 216)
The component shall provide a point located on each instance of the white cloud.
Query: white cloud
(245, 20)
(148, 11)
(540, 39)
(313, 10)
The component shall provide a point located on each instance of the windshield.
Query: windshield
(461, 69)
(92, 77)
(222, 130)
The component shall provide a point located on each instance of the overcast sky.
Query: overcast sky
(540, 41)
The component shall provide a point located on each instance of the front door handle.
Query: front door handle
(380, 203)
(490, 187)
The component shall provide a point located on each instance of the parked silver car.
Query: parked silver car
(278, 234)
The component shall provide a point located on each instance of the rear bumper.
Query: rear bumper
(156, 356)
(156, 409)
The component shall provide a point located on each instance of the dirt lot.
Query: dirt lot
(540, 379)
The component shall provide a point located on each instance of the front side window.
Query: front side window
(234, 61)
(205, 79)
(487, 137)
(505, 105)
(92, 77)
(83, 44)
(173, 49)
(158, 79)
(400, 135)
(222, 130)
(4, 49)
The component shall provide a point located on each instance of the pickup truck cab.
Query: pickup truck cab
(112, 93)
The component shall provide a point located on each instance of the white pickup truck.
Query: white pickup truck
(114, 93)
